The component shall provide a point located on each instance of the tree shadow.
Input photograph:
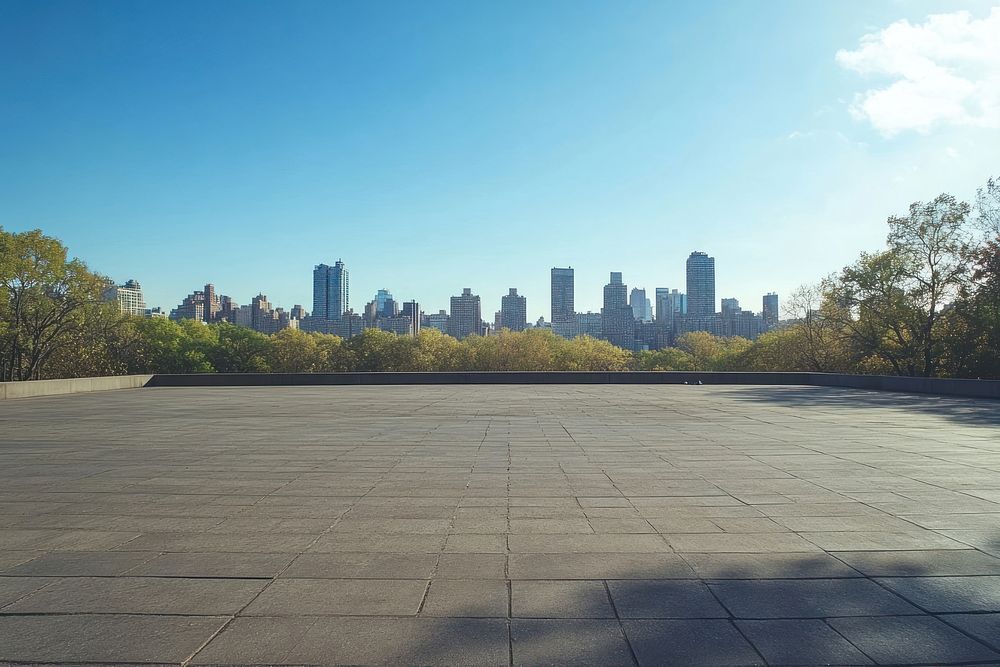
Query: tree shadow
(968, 411)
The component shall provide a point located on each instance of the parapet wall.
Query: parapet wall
(939, 386)
(31, 388)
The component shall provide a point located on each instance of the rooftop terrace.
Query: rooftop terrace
(588, 524)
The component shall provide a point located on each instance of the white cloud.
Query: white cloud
(945, 71)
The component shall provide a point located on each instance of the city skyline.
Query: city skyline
(609, 137)
(325, 282)
(626, 319)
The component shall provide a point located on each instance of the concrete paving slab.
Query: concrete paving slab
(700, 643)
(13, 589)
(81, 564)
(773, 566)
(349, 565)
(665, 599)
(339, 597)
(599, 566)
(560, 599)
(213, 565)
(801, 642)
(911, 639)
(808, 598)
(479, 598)
(920, 563)
(948, 594)
(138, 595)
(391, 525)
(569, 642)
(984, 627)
(104, 638)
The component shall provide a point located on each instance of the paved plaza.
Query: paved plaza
(500, 525)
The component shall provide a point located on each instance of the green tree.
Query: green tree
(666, 359)
(890, 303)
(239, 350)
(585, 353)
(437, 351)
(42, 298)
(338, 357)
(713, 353)
(294, 351)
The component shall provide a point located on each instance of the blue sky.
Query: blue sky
(440, 145)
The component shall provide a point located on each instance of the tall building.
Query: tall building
(562, 296)
(465, 318)
(411, 309)
(191, 308)
(617, 319)
(330, 291)
(641, 308)
(700, 285)
(664, 310)
(212, 304)
(129, 298)
(770, 312)
(730, 307)
(513, 311)
(385, 305)
(226, 308)
(438, 320)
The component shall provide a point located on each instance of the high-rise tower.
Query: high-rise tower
(562, 296)
(513, 311)
(330, 291)
(466, 316)
(617, 318)
(700, 285)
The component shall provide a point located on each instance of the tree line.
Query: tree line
(927, 304)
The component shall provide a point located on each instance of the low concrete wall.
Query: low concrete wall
(71, 386)
(943, 387)
(937, 386)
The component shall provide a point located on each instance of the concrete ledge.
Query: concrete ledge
(938, 386)
(71, 386)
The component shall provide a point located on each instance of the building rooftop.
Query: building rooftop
(611, 524)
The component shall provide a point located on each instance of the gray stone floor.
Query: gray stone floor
(521, 525)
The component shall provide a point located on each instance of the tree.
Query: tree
(713, 353)
(43, 296)
(437, 351)
(337, 355)
(585, 353)
(294, 351)
(666, 359)
(814, 340)
(239, 350)
(988, 209)
(890, 302)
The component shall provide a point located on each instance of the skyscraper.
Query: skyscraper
(212, 305)
(700, 285)
(411, 309)
(385, 305)
(730, 307)
(617, 319)
(129, 297)
(330, 291)
(562, 296)
(513, 311)
(664, 313)
(466, 317)
(641, 308)
(770, 312)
